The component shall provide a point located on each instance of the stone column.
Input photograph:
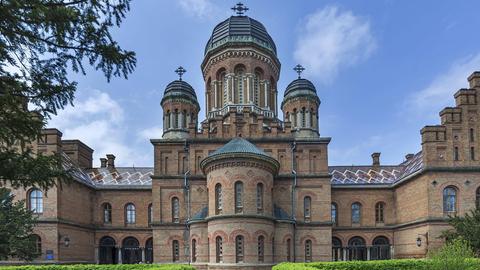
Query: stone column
(248, 89)
(119, 259)
(299, 119)
(392, 252)
(308, 122)
(180, 120)
(143, 254)
(368, 254)
(344, 254)
(265, 87)
(275, 103)
(172, 118)
(215, 87)
(97, 256)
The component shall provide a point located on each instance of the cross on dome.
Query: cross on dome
(180, 71)
(299, 69)
(240, 8)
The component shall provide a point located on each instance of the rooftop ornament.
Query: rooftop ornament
(240, 9)
(299, 69)
(180, 71)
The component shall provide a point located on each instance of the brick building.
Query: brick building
(246, 188)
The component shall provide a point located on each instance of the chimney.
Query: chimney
(103, 162)
(474, 79)
(110, 161)
(376, 159)
(409, 156)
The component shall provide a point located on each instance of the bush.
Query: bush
(101, 267)
(454, 255)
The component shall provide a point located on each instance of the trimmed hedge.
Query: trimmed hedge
(101, 267)
(407, 264)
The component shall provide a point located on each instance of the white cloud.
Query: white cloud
(151, 133)
(197, 8)
(332, 39)
(439, 93)
(359, 151)
(98, 121)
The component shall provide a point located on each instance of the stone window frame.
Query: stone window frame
(261, 248)
(238, 190)
(175, 205)
(239, 248)
(450, 200)
(35, 201)
(218, 199)
(150, 214)
(130, 213)
(194, 250)
(107, 213)
(260, 198)
(380, 212)
(307, 208)
(334, 209)
(308, 250)
(219, 249)
(356, 218)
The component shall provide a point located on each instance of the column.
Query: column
(215, 86)
(392, 252)
(368, 254)
(308, 122)
(97, 256)
(248, 89)
(172, 117)
(265, 86)
(275, 103)
(299, 119)
(119, 259)
(228, 88)
(189, 119)
(143, 254)
(344, 254)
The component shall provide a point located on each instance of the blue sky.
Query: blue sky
(382, 69)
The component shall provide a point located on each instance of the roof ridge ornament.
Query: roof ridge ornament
(299, 69)
(240, 9)
(180, 71)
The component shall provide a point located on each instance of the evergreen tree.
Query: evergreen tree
(16, 225)
(40, 42)
(466, 227)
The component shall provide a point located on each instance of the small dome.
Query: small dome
(300, 88)
(179, 89)
(240, 29)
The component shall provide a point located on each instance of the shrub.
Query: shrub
(454, 255)
(101, 267)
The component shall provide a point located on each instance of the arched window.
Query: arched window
(259, 198)
(107, 252)
(184, 119)
(294, 118)
(175, 210)
(194, 250)
(380, 249)
(356, 213)
(334, 213)
(357, 249)
(35, 198)
(167, 120)
(175, 119)
(239, 78)
(238, 197)
(379, 210)
(38, 243)
(239, 252)
(303, 117)
(337, 254)
(131, 252)
(149, 250)
(218, 199)
(175, 251)
(477, 198)
(107, 213)
(150, 214)
(289, 250)
(130, 213)
(308, 250)
(261, 248)
(449, 200)
(307, 208)
(256, 87)
(219, 249)
(223, 86)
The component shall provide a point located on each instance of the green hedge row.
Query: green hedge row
(411, 264)
(101, 267)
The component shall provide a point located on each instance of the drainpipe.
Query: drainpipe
(294, 186)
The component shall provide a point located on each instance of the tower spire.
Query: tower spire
(240, 8)
(299, 69)
(180, 71)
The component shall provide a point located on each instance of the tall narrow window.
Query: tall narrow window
(184, 119)
(175, 210)
(334, 213)
(224, 81)
(294, 118)
(194, 250)
(308, 251)
(38, 243)
(184, 164)
(449, 200)
(238, 197)
(175, 251)
(256, 88)
(261, 248)
(36, 201)
(472, 135)
(356, 213)
(472, 153)
(218, 199)
(130, 213)
(107, 213)
(455, 153)
(219, 249)
(239, 252)
(240, 84)
(150, 214)
(379, 217)
(166, 165)
(307, 208)
(259, 198)
(477, 198)
(303, 117)
(175, 119)
(289, 250)
(167, 119)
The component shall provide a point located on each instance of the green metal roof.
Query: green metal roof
(238, 145)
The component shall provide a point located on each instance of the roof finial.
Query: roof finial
(240, 8)
(180, 71)
(299, 69)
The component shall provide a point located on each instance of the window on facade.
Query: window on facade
(256, 88)
(239, 252)
(194, 250)
(240, 84)
(167, 120)
(36, 201)
(166, 165)
(107, 213)
(38, 243)
(308, 251)
(472, 153)
(307, 208)
(356, 213)
(224, 81)
(472, 135)
(294, 118)
(238, 197)
(184, 164)
(218, 199)
(175, 210)
(303, 117)
(175, 119)
(261, 248)
(455, 153)
(150, 214)
(219, 249)
(289, 250)
(334, 213)
(175, 251)
(449, 200)
(259, 198)
(130, 213)
(379, 217)
(184, 119)
(477, 198)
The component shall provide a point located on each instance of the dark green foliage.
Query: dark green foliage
(40, 42)
(16, 224)
(101, 267)
(467, 228)
(452, 256)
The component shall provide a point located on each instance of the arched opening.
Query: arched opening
(289, 250)
(380, 249)
(218, 199)
(222, 89)
(150, 214)
(356, 213)
(337, 254)
(257, 78)
(107, 251)
(239, 84)
(450, 200)
(175, 251)
(238, 197)
(131, 252)
(357, 249)
(334, 214)
(308, 250)
(38, 244)
(379, 212)
(35, 201)
(175, 210)
(259, 198)
(218, 249)
(194, 250)
(261, 248)
(107, 213)
(239, 249)
(130, 213)
(307, 208)
(149, 250)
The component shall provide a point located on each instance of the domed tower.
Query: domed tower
(300, 106)
(241, 70)
(180, 108)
